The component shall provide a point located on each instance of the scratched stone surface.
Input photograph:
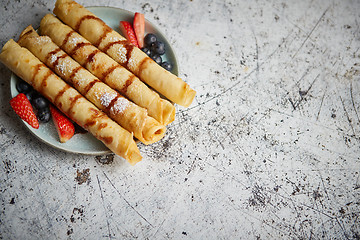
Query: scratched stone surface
(269, 149)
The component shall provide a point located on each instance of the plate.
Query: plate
(85, 143)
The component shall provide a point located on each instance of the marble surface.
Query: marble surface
(269, 149)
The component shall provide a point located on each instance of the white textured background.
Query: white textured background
(269, 149)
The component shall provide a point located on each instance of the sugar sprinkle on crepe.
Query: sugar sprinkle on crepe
(106, 98)
(63, 66)
(53, 58)
(74, 40)
(120, 105)
(121, 53)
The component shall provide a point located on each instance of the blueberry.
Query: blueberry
(146, 50)
(44, 114)
(40, 102)
(23, 87)
(158, 47)
(30, 95)
(149, 39)
(156, 58)
(166, 65)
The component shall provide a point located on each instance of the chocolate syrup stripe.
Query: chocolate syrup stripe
(77, 26)
(141, 65)
(127, 84)
(107, 29)
(103, 36)
(89, 86)
(128, 46)
(91, 57)
(79, 45)
(54, 52)
(109, 71)
(74, 71)
(60, 93)
(66, 39)
(72, 104)
(111, 104)
(43, 81)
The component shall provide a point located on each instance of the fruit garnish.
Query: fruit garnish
(149, 39)
(128, 32)
(158, 47)
(64, 127)
(156, 58)
(24, 110)
(23, 87)
(44, 115)
(39, 102)
(166, 65)
(139, 28)
(146, 50)
(155, 49)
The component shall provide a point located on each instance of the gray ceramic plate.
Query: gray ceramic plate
(85, 143)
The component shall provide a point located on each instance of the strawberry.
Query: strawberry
(139, 28)
(129, 33)
(24, 110)
(64, 127)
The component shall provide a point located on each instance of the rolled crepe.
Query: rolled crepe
(129, 56)
(69, 101)
(107, 70)
(129, 115)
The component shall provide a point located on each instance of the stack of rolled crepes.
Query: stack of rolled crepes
(111, 100)
(69, 101)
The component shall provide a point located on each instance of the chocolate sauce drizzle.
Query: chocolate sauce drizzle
(74, 71)
(103, 35)
(51, 53)
(91, 56)
(72, 104)
(66, 39)
(127, 84)
(89, 86)
(78, 24)
(77, 46)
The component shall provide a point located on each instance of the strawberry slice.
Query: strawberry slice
(128, 32)
(24, 110)
(139, 28)
(64, 127)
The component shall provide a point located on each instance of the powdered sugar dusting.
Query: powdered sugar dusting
(75, 40)
(106, 98)
(79, 79)
(113, 39)
(42, 40)
(121, 53)
(132, 63)
(64, 67)
(119, 106)
(53, 58)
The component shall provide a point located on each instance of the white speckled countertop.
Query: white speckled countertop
(269, 149)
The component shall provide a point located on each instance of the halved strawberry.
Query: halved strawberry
(139, 28)
(24, 110)
(64, 127)
(128, 32)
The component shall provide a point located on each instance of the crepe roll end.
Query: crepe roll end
(189, 95)
(152, 131)
(134, 156)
